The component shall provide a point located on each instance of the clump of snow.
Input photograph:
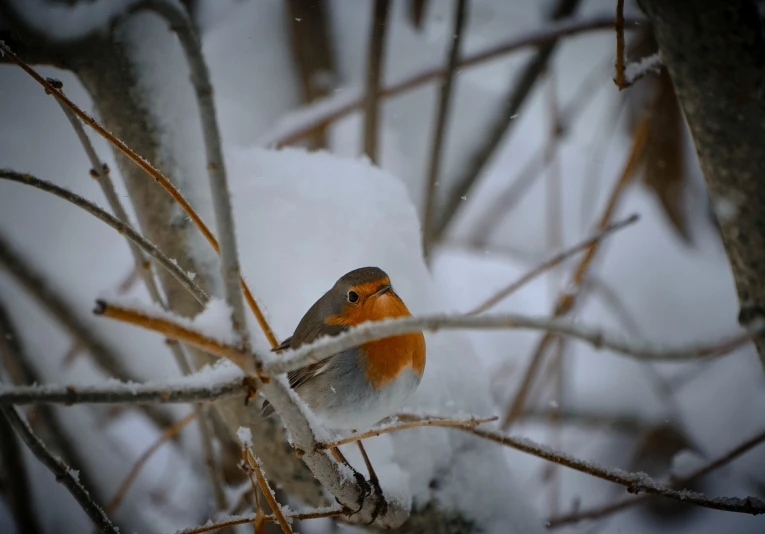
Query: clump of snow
(245, 435)
(346, 214)
(638, 69)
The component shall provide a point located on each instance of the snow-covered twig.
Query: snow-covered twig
(60, 470)
(552, 262)
(120, 226)
(326, 347)
(439, 135)
(254, 465)
(121, 393)
(375, 64)
(152, 171)
(621, 504)
(343, 108)
(138, 465)
(634, 482)
(430, 421)
(567, 300)
(235, 520)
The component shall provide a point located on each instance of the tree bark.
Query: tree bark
(715, 53)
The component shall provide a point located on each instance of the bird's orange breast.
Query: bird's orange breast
(387, 357)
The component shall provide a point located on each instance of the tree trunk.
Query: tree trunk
(715, 53)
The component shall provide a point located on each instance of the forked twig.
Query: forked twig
(249, 518)
(552, 262)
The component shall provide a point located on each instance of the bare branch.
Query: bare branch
(375, 68)
(540, 37)
(634, 482)
(552, 262)
(60, 470)
(620, 80)
(442, 116)
(115, 223)
(431, 421)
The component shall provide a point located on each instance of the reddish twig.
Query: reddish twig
(620, 80)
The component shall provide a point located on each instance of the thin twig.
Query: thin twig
(149, 169)
(442, 117)
(375, 68)
(138, 465)
(620, 80)
(498, 130)
(567, 299)
(249, 518)
(555, 260)
(621, 504)
(470, 422)
(254, 464)
(60, 470)
(539, 37)
(122, 393)
(123, 228)
(174, 330)
(634, 482)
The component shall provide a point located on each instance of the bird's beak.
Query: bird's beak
(382, 290)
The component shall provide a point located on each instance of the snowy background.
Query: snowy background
(304, 220)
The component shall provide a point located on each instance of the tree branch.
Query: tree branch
(714, 51)
(60, 470)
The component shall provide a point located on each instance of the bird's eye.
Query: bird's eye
(353, 296)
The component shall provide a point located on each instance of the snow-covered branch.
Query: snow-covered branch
(199, 387)
(326, 347)
(634, 482)
(63, 473)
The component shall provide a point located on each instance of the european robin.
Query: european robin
(358, 387)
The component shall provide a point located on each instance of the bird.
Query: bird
(358, 387)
